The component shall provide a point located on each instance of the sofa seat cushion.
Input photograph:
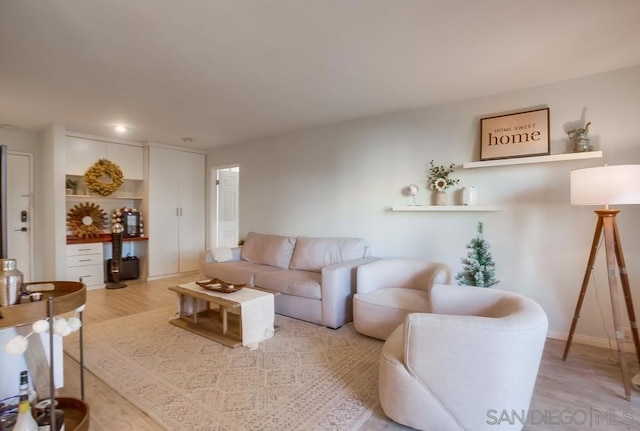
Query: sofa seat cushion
(237, 272)
(297, 283)
(313, 254)
(379, 313)
(272, 250)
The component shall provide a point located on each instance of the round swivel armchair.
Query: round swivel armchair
(389, 289)
(471, 359)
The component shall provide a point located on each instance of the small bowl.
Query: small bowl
(35, 296)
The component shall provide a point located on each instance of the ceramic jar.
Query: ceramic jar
(469, 196)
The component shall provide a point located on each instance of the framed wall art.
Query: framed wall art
(515, 135)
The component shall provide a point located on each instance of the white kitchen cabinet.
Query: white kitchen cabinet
(176, 210)
(82, 153)
(85, 263)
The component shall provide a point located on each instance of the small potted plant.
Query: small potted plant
(439, 180)
(71, 186)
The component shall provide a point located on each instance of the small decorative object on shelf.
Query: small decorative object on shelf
(413, 191)
(580, 139)
(439, 180)
(71, 186)
(469, 196)
(131, 219)
(479, 268)
(86, 220)
(95, 176)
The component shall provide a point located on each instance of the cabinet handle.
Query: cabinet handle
(84, 260)
(84, 249)
(180, 212)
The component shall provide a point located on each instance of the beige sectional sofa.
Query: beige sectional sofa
(316, 277)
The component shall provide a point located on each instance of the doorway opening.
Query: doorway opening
(227, 214)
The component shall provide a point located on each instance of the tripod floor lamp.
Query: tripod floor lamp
(604, 186)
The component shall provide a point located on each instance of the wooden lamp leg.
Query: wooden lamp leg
(613, 248)
(626, 289)
(610, 248)
(583, 289)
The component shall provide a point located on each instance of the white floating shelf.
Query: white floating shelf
(535, 159)
(100, 197)
(464, 208)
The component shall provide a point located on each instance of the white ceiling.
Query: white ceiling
(228, 71)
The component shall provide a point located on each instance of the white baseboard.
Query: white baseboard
(591, 341)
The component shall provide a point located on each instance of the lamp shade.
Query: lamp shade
(606, 185)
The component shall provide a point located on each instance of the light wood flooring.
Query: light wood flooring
(583, 393)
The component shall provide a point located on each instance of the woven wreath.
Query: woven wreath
(86, 220)
(94, 178)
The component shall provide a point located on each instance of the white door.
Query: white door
(19, 212)
(161, 224)
(191, 197)
(228, 207)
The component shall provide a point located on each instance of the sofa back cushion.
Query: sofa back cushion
(313, 254)
(272, 250)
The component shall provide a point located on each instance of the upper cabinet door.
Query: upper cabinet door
(129, 158)
(83, 153)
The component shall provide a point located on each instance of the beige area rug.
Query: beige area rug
(307, 377)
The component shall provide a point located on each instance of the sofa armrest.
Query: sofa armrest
(208, 256)
(338, 288)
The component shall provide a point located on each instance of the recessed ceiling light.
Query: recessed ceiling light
(120, 128)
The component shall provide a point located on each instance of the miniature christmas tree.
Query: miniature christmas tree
(479, 268)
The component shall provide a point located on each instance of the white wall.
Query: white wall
(341, 180)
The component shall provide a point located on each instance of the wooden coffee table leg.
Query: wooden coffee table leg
(223, 314)
(194, 309)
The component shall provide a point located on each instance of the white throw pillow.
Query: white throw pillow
(313, 254)
(272, 250)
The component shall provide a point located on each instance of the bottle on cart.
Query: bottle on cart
(43, 418)
(25, 421)
(25, 390)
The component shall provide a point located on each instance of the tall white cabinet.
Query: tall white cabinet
(176, 210)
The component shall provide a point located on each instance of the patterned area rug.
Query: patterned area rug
(307, 377)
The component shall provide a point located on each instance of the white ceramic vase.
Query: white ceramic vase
(439, 198)
(469, 196)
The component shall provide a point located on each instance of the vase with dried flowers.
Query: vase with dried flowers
(439, 179)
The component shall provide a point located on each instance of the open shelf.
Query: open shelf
(435, 208)
(535, 159)
(103, 198)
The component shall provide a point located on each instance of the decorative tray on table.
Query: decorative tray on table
(217, 285)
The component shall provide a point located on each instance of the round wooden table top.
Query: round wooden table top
(66, 296)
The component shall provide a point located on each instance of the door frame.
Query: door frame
(31, 212)
(213, 201)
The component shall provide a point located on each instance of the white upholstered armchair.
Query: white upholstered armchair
(389, 289)
(467, 363)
